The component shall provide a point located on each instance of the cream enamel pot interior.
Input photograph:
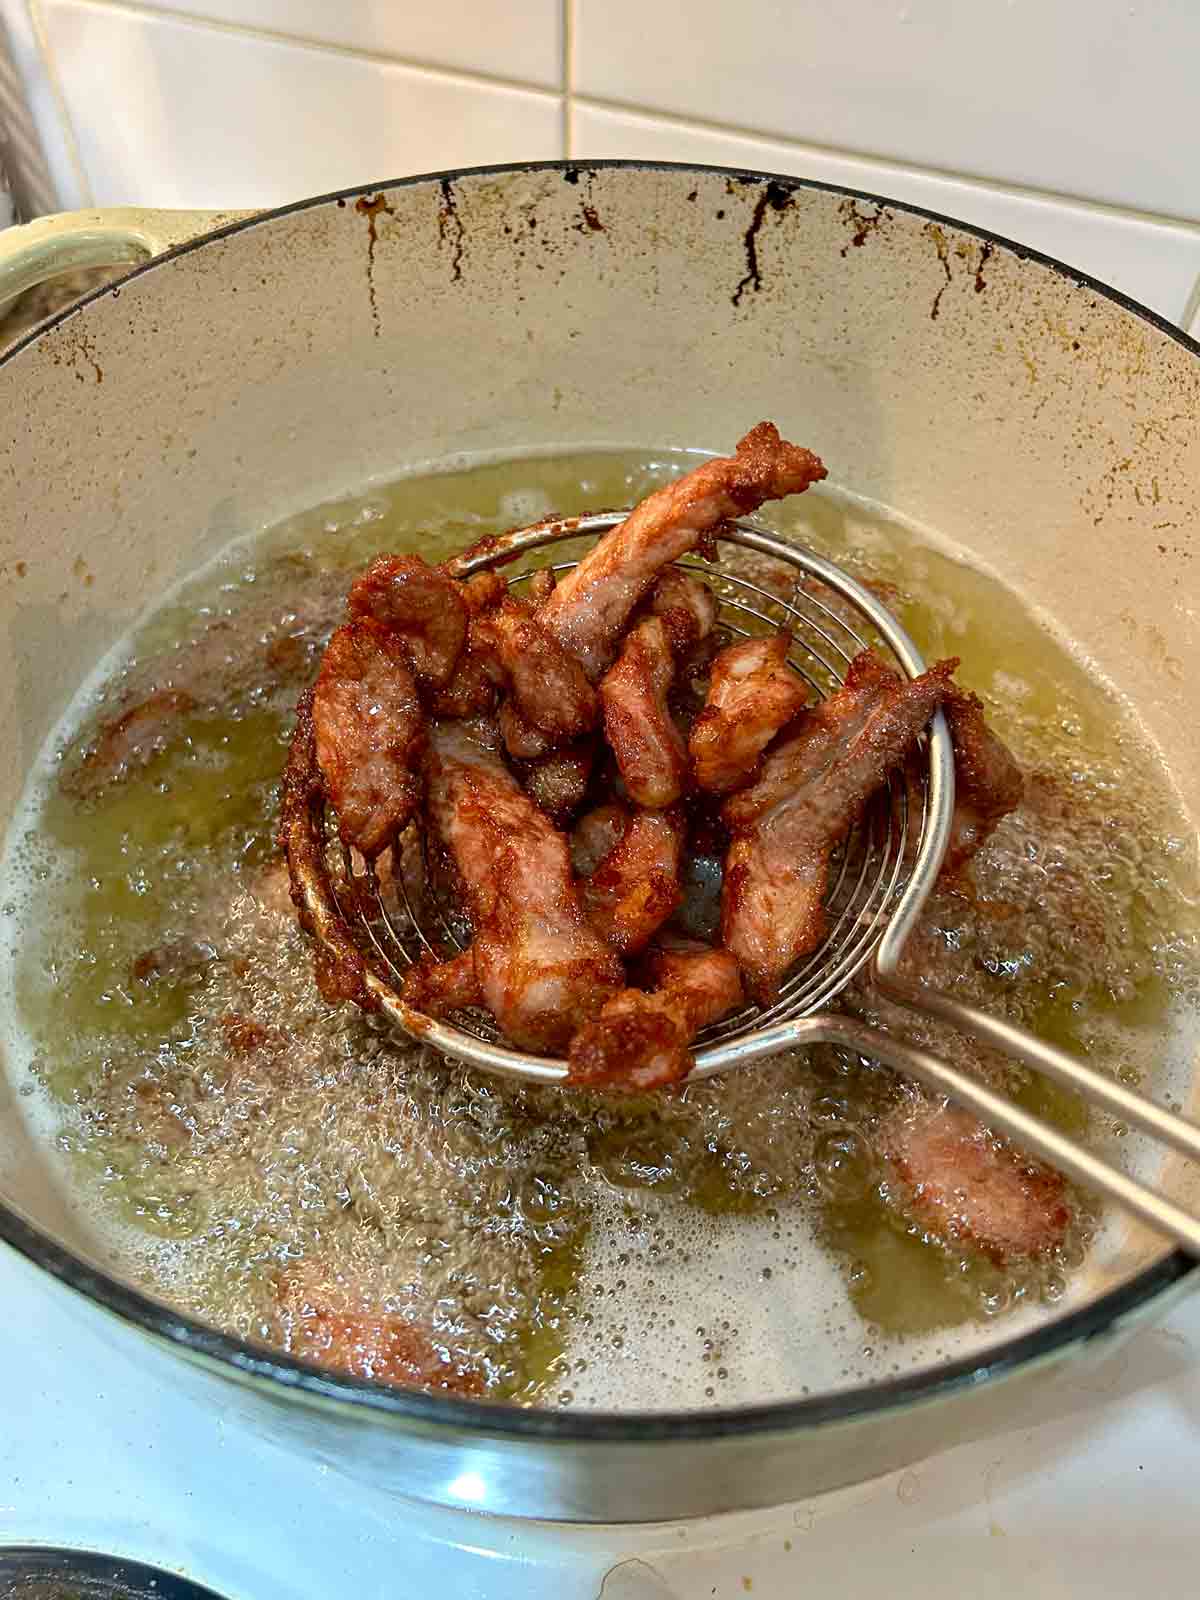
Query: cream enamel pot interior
(1040, 421)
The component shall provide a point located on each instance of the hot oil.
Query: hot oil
(722, 1245)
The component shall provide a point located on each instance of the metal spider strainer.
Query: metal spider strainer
(880, 882)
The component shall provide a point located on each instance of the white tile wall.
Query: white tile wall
(175, 113)
(521, 41)
(1086, 97)
(1155, 262)
(1071, 125)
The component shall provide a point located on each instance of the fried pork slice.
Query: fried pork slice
(686, 605)
(752, 694)
(595, 834)
(558, 781)
(325, 1322)
(964, 1183)
(439, 987)
(687, 609)
(483, 591)
(340, 970)
(424, 606)
(542, 970)
(988, 783)
(547, 685)
(636, 887)
(522, 739)
(588, 610)
(643, 1040)
(470, 691)
(131, 740)
(811, 789)
(556, 778)
(541, 585)
(370, 733)
(638, 723)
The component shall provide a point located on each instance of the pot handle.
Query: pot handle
(72, 240)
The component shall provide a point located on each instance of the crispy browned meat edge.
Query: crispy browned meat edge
(341, 968)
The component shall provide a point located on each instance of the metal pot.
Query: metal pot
(1042, 421)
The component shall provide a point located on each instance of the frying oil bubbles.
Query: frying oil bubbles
(224, 1130)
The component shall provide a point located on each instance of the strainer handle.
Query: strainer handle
(1064, 1068)
(996, 1110)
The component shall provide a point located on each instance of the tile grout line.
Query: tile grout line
(435, 69)
(569, 100)
(53, 82)
(807, 147)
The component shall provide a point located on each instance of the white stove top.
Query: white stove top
(99, 1451)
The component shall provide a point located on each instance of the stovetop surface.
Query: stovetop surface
(99, 1450)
